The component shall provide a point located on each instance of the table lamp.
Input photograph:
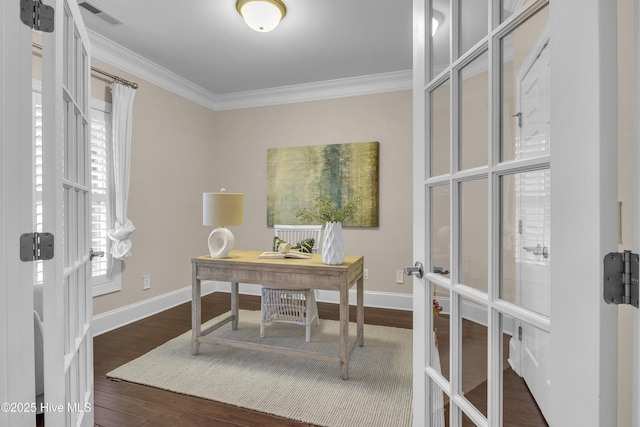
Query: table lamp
(222, 209)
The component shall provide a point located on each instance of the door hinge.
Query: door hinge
(621, 278)
(36, 246)
(519, 333)
(36, 15)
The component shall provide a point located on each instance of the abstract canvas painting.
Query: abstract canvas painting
(297, 175)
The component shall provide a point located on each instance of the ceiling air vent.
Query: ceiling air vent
(104, 15)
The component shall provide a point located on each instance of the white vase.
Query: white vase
(333, 244)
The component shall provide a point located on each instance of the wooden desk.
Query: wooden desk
(246, 267)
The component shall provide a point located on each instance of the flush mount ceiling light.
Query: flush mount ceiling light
(261, 15)
(436, 21)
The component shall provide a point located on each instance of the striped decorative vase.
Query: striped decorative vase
(333, 244)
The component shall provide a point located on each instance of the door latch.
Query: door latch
(537, 250)
(621, 278)
(93, 254)
(440, 270)
(417, 270)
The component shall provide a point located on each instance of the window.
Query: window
(38, 268)
(105, 270)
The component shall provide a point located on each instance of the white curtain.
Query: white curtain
(121, 117)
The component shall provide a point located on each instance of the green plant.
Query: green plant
(328, 211)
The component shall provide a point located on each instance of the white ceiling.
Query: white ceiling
(207, 43)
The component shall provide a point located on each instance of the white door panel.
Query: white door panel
(450, 116)
(17, 377)
(68, 345)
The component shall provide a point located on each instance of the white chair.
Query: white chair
(291, 305)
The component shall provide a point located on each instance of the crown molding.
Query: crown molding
(329, 89)
(113, 54)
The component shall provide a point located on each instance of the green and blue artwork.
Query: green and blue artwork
(297, 176)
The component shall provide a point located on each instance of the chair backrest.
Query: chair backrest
(294, 233)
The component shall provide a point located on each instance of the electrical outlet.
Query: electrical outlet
(146, 281)
(366, 274)
(400, 277)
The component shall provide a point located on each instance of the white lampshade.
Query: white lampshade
(261, 15)
(222, 209)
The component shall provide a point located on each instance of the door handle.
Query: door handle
(417, 270)
(537, 250)
(93, 254)
(440, 270)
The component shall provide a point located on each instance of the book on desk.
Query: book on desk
(290, 254)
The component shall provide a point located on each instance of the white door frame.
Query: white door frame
(584, 211)
(635, 395)
(422, 311)
(17, 379)
(583, 207)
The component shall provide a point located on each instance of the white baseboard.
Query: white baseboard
(114, 319)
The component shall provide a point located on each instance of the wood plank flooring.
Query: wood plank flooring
(121, 404)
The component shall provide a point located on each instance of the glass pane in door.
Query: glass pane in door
(473, 353)
(510, 7)
(525, 373)
(474, 234)
(525, 89)
(466, 421)
(525, 232)
(440, 36)
(440, 129)
(473, 23)
(440, 229)
(474, 113)
(439, 409)
(441, 324)
(440, 354)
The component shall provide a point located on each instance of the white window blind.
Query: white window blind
(105, 271)
(100, 191)
(38, 272)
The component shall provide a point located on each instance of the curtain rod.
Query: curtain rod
(97, 70)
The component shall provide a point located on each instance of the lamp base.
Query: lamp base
(221, 242)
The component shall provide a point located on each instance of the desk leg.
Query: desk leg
(360, 311)
(344, 332)
(196, 312)
(234, 305)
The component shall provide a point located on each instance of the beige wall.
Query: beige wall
(242, 138)
(171, 158)
(625, 195)
(181, 150)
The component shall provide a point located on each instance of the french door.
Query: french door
(68, 336)
(512, 153)
(67, 312)
(17, 379)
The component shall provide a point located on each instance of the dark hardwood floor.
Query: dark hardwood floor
(122, 404)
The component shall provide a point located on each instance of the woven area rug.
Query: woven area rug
(378, 392)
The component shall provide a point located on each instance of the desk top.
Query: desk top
(242, 256)
(245, 267)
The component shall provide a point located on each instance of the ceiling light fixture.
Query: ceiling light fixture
(261, 15)
(436, 20)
